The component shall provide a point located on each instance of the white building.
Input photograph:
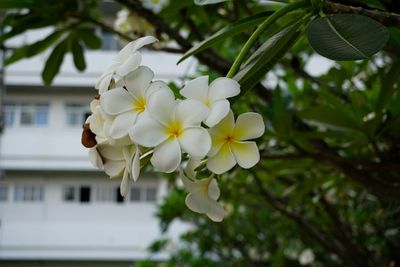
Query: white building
(55, 208)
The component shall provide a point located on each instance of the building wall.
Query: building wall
(52, 228)
(53, 232)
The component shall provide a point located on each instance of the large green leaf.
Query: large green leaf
(330, 117)
(34, 49)
(266, 56)
(5, 4)
(347, 36)
(89, 37)
(77, 54)
(54, 62)
(228, 31)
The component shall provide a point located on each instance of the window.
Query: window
(151, 194)
(9, 114)
(3, 193)
(109, 42)
(70, 194)
(84, 194)
(26, 114)
(135, 194)
(28, 193)
(75, 114)
(143, 193)
(80, 194)
(34, 114)
(109, 194)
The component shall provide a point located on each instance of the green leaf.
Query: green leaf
(281, 117)
(17, 54)
(390, 83)
(5, 4)
(347, 36)
(330, 117)
(33, 49)
(54, 62)
(265, 57)
(42, 45)
(78, 56)
(89, 37)
(228, 31)
(208, 2)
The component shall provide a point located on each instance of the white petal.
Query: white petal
(223, 161)
(213, 189)
(139, 43)
(131, 47)
(136, 165)
(122, 124)
(219, 110)
(125, 184)
(217, 141)
(191, 112)
(114, 168)
(116, 101)
(129, 64)
(198, 201)
(222, 88)
(156, 86)
(246, 153)
(225, 126)
(196, 89)
(191, 165)
(161, 105)
(95, 158)
(249, 125)
(148, 132)
(104, 82)
(215, 211)
(187, 183)
(167, 156)
(111, 152)
(195, 141)
(138, 81)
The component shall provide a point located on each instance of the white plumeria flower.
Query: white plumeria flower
(99, 122)
(130, 103)
(229, 145)
(118, 161)
(203, 194)
(127, 60)
(171, 127)
(213, 96)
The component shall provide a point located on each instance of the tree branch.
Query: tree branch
(207, 57)
(312, 230)
(386, 18)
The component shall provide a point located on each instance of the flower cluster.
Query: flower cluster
(135, 116)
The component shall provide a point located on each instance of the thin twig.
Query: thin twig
(386, 18)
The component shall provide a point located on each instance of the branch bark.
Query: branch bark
(327, 241)
(207, 57)
(386, 18)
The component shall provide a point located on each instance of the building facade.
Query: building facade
(55, 208)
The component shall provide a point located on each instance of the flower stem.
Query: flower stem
(147, 154)
(250, 42)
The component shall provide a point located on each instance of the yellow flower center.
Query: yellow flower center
(174, 129)
(207, 102)
(140, 105)
(229, 139)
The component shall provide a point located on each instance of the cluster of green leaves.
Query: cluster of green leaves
(70, 32)
(328, 178)
(320, 129)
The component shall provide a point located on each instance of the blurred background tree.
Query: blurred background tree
(327, 189)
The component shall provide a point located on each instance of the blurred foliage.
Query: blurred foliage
(329, 176)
